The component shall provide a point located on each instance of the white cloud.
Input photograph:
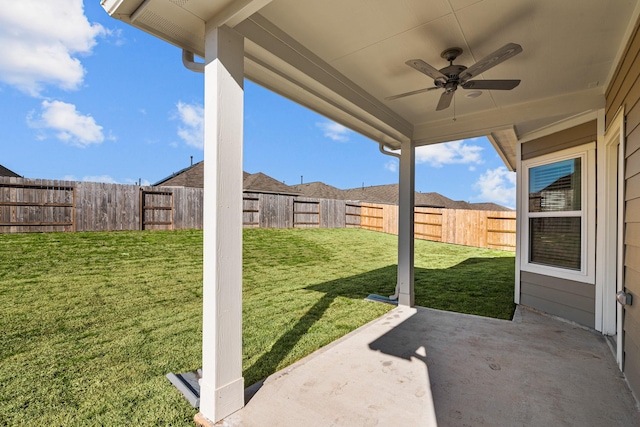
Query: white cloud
(391, 165)
(191, 129)
(41, 41)
(71, 126)
(334, 131)
(497, 185)
(447, 153)
(99, 178)
(117, 37)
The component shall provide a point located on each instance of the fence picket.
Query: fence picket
(28, 205)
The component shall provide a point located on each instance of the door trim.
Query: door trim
(610, 231)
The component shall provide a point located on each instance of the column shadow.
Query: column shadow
(468, 287)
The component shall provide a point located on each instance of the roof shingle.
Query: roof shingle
(261, 183)
(193, 176)
(7, 172)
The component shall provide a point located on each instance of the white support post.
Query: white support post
(406, 225)
(222, 384)
(519, 227)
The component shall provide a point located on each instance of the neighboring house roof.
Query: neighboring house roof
(261, 183)
(375, 194)
(192, 176)
(7, 172)
(437, 200)
(489, 207)
(319, 190)
(389, 194)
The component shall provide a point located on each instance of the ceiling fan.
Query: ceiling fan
(449, 78)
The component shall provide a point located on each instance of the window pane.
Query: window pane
(555, 187)
(555, 241)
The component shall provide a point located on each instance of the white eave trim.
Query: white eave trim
(111, 6)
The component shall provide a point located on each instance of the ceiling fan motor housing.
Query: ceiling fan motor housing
(453, 71)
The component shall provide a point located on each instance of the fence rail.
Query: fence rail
(482, 229)
(156, 210)
(28, 205)
(35, 205)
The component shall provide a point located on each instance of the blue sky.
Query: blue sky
(86, 97)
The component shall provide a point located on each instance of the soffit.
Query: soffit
(569, 51)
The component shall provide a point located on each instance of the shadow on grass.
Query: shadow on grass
(480, 286)
(356, 287)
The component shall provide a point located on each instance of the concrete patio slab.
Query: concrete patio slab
(424, 367)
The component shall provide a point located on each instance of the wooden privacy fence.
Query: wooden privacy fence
(36, 205)
(156, 209)
(266, 210)
(482, 229)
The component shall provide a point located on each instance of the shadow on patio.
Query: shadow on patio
(419, 366)
(461, 288)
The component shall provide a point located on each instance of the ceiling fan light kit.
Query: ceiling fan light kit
(452, 76)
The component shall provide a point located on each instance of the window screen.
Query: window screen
(555, 203)
(556, 241)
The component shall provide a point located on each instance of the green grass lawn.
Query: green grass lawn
(91, 322)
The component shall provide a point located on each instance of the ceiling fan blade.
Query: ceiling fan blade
(427, 69)
(505, 52)
(413, 92)
(491, 84)
(445, 100)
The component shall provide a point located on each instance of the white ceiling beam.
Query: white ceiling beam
(267, 37)
(298, 88)
(236, 12)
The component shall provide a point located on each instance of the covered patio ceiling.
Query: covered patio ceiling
(342, 58)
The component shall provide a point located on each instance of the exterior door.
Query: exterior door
(611, 226)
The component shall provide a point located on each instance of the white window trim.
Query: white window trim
(588, 231)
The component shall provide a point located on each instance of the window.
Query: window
(559, 213)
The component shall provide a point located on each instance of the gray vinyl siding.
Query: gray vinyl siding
(631, 324)
(568, 138)
(568, 299)
(624, 91)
